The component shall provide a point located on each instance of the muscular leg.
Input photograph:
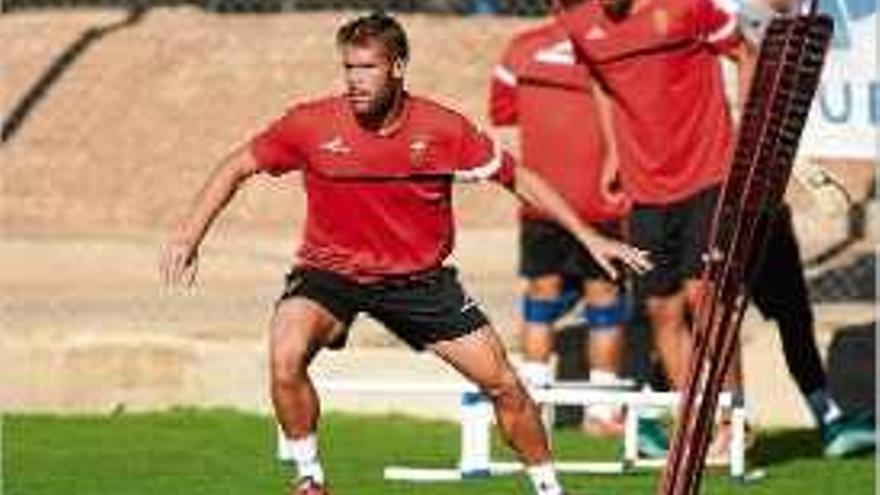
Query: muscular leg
(537, 338)
(733, 380)
(299, 328)
(667, 316)
(603, 350)
(481, 358)
(604, 315)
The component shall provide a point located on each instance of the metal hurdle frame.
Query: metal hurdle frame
(477, 417)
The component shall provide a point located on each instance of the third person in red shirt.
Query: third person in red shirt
(659, 65)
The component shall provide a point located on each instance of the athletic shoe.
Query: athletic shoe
(653, 441)
(849, 435)
(308, 486)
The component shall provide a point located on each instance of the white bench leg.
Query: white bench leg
(476, 438)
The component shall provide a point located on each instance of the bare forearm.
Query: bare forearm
(532, 189)
(213, 198)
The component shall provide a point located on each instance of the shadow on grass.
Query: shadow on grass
(784, 446)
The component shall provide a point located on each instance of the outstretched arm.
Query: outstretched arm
(530, 187)
(179, 257)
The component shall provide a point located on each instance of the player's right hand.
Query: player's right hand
(606, 251)
(179, 263)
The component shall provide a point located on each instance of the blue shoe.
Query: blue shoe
(849, 435)
(653, 441)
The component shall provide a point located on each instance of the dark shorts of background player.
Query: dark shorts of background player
(546, 248)
(676, 235)
(419, 309)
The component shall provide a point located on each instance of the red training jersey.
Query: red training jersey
(660, 65)
(379, 204)
(541, 87)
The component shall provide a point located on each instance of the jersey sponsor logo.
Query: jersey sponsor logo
(561, 53)
(336, 146)
(660, 18)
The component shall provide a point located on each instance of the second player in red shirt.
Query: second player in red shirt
(541, 89)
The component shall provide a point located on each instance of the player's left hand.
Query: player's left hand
(606, 251)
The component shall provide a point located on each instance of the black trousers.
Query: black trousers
(779, 291)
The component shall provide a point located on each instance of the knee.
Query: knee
(606, 314)
(546, 300)
(289, 361)
(666, 311)
(601, 292)
(505, 390)
(546, 287)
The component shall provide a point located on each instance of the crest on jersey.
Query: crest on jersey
(418, 150)
(660, 18)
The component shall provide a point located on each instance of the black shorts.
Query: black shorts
(547, 248)
(419, 309)
(676, 235)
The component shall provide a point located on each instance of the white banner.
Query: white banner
(845, 118)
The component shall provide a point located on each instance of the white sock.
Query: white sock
(544, 479)
(305, 455)
(833, 414)
(536, 373)
(823, 407)
(602, 412)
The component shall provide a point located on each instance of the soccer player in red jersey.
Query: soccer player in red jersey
(378, 166)
(541, 89)
(659, 63)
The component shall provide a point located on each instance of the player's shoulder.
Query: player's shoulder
(535, 37)
(428, 112)
(321, 107)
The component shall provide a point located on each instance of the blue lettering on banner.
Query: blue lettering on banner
(874, 103)
(837, 98)
(836, 105)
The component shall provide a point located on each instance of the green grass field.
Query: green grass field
(222, 452)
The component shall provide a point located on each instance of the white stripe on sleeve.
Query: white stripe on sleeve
(724, 32)
(484, 171)
(729, 6)
(504, 75)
